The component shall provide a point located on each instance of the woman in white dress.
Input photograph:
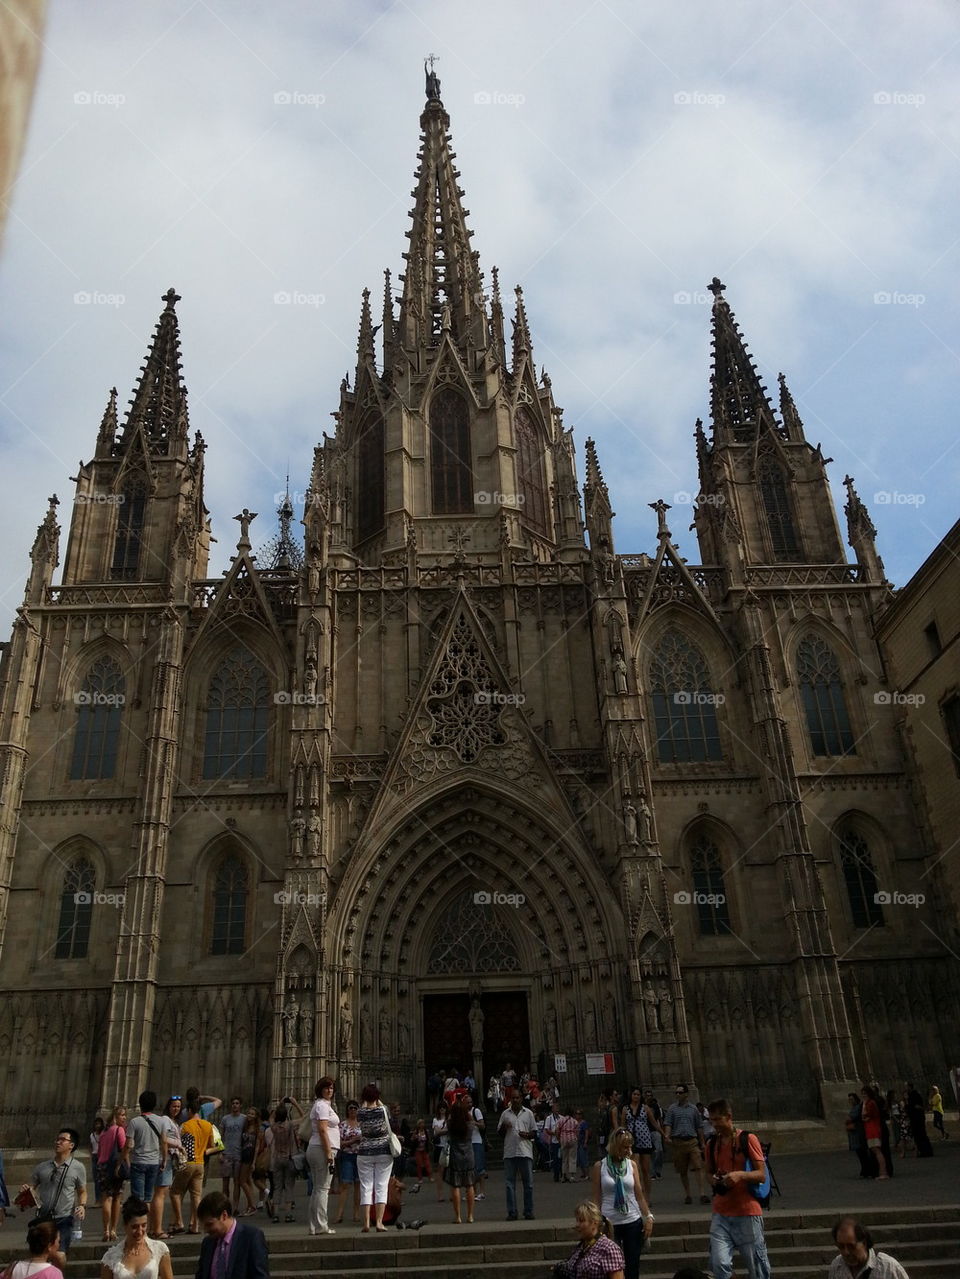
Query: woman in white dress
(136, 1255)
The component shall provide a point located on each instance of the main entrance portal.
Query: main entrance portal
(506, 1032)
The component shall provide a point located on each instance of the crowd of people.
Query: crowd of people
(359, 1159)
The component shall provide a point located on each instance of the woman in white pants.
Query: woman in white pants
(321, 1153)
(374, 1161)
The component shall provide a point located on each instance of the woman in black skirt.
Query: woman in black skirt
(459, 1172)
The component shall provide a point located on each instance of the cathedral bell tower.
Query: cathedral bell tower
(138, 513)
(453, 441)
(764, 493)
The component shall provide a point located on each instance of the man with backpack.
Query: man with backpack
(737, 1172)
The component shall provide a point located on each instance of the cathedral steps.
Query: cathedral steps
(925, 1240)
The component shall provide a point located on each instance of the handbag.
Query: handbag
(216, 1143)
(300, 1163)
(396, 1147)
(305, 1130)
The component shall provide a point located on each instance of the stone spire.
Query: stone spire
(365, 349)
(44, 554)
(107, 435)
(862, 535)
(789, 415)
(738, 400)
(389, 322)
(522, 345)
(159, 404)
(442, 270)
(596, 503)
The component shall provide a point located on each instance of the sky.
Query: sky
(259, 157)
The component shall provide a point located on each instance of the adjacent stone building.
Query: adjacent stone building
(455, 753)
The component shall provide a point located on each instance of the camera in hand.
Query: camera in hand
(720, 1184)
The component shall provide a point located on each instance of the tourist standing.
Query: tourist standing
(856, 1139)
(935, 1103)
(918, 1123)
(195, 1137)
(322, 1153)
(519, 1129)
(350, 1136)
(618, 1191)
(136, 1254)
(683, 1129)
(167, 1123)
(374, 1160)
(61, 1183)
(460, 1172)
(737, 1221)
(112, 1170)
(231, 1130)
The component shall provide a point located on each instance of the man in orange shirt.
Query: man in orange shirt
(737, 1221)
(195, 1136)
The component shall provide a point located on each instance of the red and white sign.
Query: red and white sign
(600, 1064)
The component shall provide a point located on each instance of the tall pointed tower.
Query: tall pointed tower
(449, 442)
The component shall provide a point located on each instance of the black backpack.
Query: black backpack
(759, 1190)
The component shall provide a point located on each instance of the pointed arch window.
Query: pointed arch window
(709, 889)
(684, 704)
(451, 472)
(530, 473)
(76, 910)
(230, 897)
(821, 692)
(371, 491)
(100, 703)
(237, 719)
(860, 879)
(128, 542)
(776, 505)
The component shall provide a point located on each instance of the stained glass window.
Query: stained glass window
(684, 704)
(99, 704)
(530, 473)
(237, 718)
(776, 504)
(76, 911)
(229, 936)
(822, 695)
(370, 478)
(450, 466)
(131, 510)
(709, 891)
(860, 879)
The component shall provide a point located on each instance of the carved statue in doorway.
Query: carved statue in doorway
(553, 1030)
(290, 1017)
(476, 1026)
(346, 1028)
(650, 1007)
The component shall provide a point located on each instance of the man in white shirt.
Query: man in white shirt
(519, 1129)
(858, 1256)
(479, 1153)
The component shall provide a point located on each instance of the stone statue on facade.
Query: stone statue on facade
(306, 1029)
(290, 1017)
(630, 822)
(346, 1028)
(619, 673)
(665, 1007)
(650, 1007)
(385, 1036)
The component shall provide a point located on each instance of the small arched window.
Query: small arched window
(821, 692)
(709, 889)
(76, 910)
(776, 506)
(451, 470)
(237, 718)
(684, 705)
(534, 509)
(100, 703)
(860, 879)
(128, 543)
(370, 478)
(230, 894)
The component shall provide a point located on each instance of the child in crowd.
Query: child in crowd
(421, 1153)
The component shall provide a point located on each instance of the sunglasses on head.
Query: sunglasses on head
(176, 1099)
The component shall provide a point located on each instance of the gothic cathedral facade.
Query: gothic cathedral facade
(455, 752)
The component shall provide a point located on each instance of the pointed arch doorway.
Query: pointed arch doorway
(473, 951)
(506, 1031)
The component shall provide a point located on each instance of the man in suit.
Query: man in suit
(232, 1249)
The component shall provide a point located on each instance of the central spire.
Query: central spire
(442, 274)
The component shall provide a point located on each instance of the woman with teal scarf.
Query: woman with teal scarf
(618, 1192)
